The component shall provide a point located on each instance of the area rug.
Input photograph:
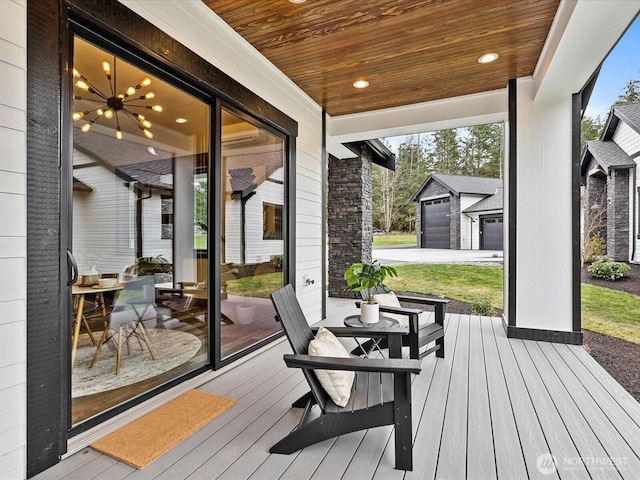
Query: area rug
(145, 439)
(171, 347)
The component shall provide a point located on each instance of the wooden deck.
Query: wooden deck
(493, 408)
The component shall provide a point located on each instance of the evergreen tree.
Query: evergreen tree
(631, 93)
(590, 129)
(445, 155)
(483, 151)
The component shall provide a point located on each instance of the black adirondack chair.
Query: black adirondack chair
(381, 393)
(419, 335)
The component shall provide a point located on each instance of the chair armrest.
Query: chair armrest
(389, 365)
(364, 332)
(400, 310)
(170, 291)
(423, 300)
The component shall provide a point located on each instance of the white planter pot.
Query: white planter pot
(369, 312)
(245, 314)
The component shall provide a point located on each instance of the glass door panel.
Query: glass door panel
(252, 245)
(140, 163)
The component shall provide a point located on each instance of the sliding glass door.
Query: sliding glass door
(140, 203)
(252, 231)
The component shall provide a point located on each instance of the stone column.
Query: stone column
(618, 215)
(349, 217)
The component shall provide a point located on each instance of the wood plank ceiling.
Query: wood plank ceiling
(408, 51)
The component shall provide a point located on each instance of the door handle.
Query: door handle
(73, 268)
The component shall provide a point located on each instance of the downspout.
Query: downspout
(471, 236)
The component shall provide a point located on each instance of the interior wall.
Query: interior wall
(199, 29)
(13, 234)
(543, 254)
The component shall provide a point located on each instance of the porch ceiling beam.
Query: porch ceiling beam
(581, 36)
(454, 112)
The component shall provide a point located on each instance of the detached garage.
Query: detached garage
(459, 212)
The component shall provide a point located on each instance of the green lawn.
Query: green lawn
(260, 286)
(385, 239)
(201, 242)
(467, 283)
(604, 310)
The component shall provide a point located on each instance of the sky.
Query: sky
(622, 65)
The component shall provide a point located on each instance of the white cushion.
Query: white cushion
(337, 383)
(390, 300)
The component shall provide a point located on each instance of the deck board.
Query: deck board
(584, 438)
(558, 439)
(508, 452)
(480, 456)
(453, 443)
(487, 410)
(532, 439)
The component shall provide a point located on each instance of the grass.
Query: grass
(201, 242)
(385, 239)
(467, 283)
(260, 286)
(604, 310)
(611, 312)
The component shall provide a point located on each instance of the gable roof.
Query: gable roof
(458, 184)
(605, 151)
(492, 202)
(607, 154)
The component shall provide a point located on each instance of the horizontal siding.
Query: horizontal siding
(627, 139)
(13, 225)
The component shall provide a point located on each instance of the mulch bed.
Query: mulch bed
(618, 357)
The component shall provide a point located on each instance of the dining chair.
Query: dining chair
(134, 312)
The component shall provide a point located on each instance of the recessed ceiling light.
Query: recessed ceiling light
(297, 1)
(361, 84)
(181, 120)
(488, 58)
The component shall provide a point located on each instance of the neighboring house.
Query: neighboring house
(254, 210)
(610, 176)
(459, 212)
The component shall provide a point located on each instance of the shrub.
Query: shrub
(605, 268)
(482, 306)
(594, 247)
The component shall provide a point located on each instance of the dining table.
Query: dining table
(80, 293)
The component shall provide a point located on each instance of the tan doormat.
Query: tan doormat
(145, 439)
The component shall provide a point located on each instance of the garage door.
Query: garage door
(491, 233)
(436, 231)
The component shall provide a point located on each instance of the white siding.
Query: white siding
(198, 28)
(627, 139)
(101, 236)
(544, 212)
(468, 229)
(13, 232)
(258, 250)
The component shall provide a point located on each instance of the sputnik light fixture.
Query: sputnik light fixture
(114, 105)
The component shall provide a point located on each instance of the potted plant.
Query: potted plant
(366, 278)
(157, 266)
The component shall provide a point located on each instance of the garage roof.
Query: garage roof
(458, 184)
(492, 202)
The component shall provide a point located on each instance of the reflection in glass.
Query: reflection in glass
(252, 232)
(139, 212)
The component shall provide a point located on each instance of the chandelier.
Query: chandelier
(115, 105)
